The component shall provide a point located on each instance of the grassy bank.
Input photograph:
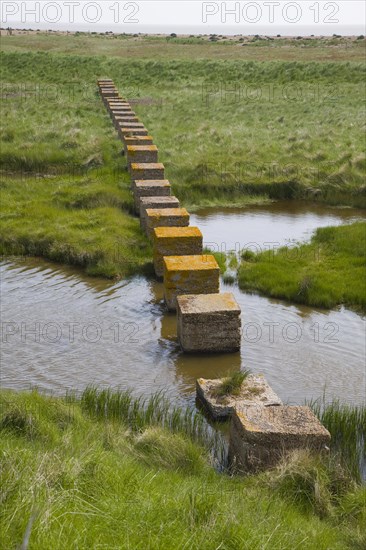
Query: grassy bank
(328, 271)
(252, 131)
(101, 472)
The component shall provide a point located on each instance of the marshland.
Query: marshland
(102, 445)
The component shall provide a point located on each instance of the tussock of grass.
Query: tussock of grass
(328, 271)
(84, 477)
(347, 426)
(232, 384)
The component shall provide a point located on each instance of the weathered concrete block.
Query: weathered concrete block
(165, 217)
(137, 140)
(133, 125)
(141, 154)
(261, 436)
(125, 117)
(147, 171)
(108, 93)
(118, 104)
(124, 112)
(208, 322)
(130, 132)
(189, 275)
(126, 121)
(175, 241)
(156, 203)
(104, 83)
(149, 188)
(255, 390)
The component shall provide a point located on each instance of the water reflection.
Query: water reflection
(63, 330)
(277, 224)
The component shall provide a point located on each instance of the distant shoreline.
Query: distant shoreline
(59, 32)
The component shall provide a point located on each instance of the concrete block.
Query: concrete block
(137, 140)
(149, 188)
(255, 391)
(189, 275)
(133, 125)
(126, 121)
(121, 111)
(118, 104)
(147, 171)
(141, 154)
(157, 202)
(130, 132)
(261, 436)
(165, 217)
(207, 321)
(125, 117)
(175, 241)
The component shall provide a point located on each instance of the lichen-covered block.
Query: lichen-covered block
(208, 322)
(261, 436)
(126, 121)
(141, 154)
(147, 171)
(189, 275)
(108, 93)
(129, 132)
(123, 112)
(137, 140)
(131, 124)
(125, 117)
(117, 104)
(165, 217)
(175, 241)
(254, 390)
(149, 188)
(155, 203)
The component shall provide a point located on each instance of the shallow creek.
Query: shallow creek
(62, 330)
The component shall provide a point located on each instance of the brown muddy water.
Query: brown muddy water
(62, 330)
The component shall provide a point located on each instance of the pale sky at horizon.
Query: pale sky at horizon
(189, 16)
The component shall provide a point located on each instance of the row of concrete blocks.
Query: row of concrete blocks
(207, 320)
(263, 431)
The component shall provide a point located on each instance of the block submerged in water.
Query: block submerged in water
(208, 322)
(155, 203)
(175, 241)
(165, 217)
(196, 274)
(255, 390)
(261, 436)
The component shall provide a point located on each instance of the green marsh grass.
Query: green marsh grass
(347, 426)
(232, 384)
(76, 475)
(291, 130)
(327, 272)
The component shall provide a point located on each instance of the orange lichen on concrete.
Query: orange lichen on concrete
(141, 154)
(137, 140)
(196, 274)
(174, 241)
(156, 217)
(149, 188)
(125, 132)
(147, 171)
(155, 203)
